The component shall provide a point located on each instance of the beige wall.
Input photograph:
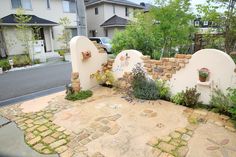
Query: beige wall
(87, 67)
(39, 9)
(105, 12)
(221, 68)
(113, 30)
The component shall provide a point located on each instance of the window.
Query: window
(96, 11)
(74, 32)
(126, 11)
(205, 23)
(114, 9)
(106, 32)
(69, 6)
(48, 4)
(196, 23)
(25, 4)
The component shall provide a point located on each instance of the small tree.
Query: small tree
(65, 36)
(24, 30)
(163, 29)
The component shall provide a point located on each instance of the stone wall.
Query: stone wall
(165, 67)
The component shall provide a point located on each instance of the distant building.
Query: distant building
(204, 28)
(106, 16)
(45, 13)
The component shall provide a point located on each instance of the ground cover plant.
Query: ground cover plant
(4, 64)
(73, 96)
(142, 87)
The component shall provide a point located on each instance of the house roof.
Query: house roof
(35, 20)
(147, 6)
(89, 3)
(115, 21)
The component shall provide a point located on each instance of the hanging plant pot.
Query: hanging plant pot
(203, 74)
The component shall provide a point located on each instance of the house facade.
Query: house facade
(45, 14)
(104, 17)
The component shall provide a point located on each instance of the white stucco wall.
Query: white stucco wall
(39, 9)
(221, 68)
(125, 62)
(85, 68)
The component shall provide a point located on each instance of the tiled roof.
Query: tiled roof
(35, 20)
(115, 21)
(120, 2)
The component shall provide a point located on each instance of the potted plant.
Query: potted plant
(203, 74)
(104, 78)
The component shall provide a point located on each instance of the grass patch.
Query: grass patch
(79, 96)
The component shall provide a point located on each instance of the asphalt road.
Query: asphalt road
(20, 83)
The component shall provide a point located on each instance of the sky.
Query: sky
(194, 2)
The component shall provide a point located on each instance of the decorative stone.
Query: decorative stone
(181, 130)
(154, 141)
(56, 134)
(166, 139)
(67, 153)
(39, 147)
(98, 154)
(182, 151)
(96, 135)
(163, 154)
(34, 140)
(81, 149)
(61, 149)
(49, 140)
(104, 129)
(156, 152)
(114, 130)
(114, 117)
(42, 128)
(82, 136)
(175, 135)
(46, 151)
(58, 143)
(166, 147)
(85, 141)
(185, 137)
(46, 133)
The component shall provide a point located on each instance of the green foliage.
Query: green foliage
(79, 96)
(4, 64)
(222, 13)
(232, 97)
(143, 88)
(191, 97)
(159, 31)
(188, 98)
(21, 60)
(178, 98)
(65, 36)
(61, 52)
(164, 90)
(104, 77)
(36, 61)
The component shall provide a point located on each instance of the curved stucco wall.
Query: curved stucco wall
(87, 67)
(125, 62)
(221, 68)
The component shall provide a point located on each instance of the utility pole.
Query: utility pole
(81, 18)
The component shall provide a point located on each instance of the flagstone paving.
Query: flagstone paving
(106, 125)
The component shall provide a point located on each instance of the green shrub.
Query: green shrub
(61, 52)
(21, 60)
(142, 87)
(232, 96)
(164, 90)
(79, 96)
(220, 102)
(188, 98)
(178, 98)
(37, 61)
(5, 65)
(191, 97)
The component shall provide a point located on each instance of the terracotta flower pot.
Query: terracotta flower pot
(202, 79)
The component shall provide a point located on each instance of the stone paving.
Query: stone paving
(106, 125)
